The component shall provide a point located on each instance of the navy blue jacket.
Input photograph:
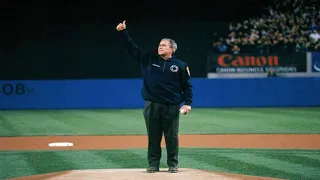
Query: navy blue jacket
(164, 81)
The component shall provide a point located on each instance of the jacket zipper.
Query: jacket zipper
(164, 66)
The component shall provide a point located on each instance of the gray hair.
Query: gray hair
(172, 43)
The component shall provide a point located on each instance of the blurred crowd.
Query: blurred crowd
(289, 26)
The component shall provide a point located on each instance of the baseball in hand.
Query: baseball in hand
(182, 111)
(185, 109)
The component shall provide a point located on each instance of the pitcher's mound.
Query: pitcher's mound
(138, 174)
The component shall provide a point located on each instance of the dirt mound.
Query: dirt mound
(138, 174)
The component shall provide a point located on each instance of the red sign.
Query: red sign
(227, 60)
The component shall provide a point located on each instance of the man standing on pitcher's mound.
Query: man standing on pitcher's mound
(166, 84)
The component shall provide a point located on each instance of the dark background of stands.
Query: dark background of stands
(51, 40)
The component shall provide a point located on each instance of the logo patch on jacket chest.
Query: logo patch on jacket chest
(174, 68)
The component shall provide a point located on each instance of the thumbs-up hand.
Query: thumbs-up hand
(121, 26)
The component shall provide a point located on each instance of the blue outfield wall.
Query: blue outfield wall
(125, 93)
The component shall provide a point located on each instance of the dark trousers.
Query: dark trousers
(162, 119)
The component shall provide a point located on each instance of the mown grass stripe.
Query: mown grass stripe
(31, 123)
(14, 164)
(70, 122)
(314, 156)
(7, 126)
(268, 116)
(187, 160)
(87, 159)
(48, 161)
(294, 159)
(289, 170)
(115, 122)
(300, 111)
(44, 123)
(124, 158)
(233, 165)
(226, 150)
(253, 120)
(130, 121)
(241, 161)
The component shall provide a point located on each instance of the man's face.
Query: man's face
(164, 48)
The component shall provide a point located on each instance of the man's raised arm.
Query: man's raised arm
(136, 52)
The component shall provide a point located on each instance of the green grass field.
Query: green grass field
(200, 121)
(289, 164)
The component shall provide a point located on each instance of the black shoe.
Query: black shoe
(152, 169)
(173, 169)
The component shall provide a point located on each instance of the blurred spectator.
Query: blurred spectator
(290, 26)
(314, 36)
(218, 46)
(235, 49)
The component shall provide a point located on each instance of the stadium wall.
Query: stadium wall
(125, 93)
